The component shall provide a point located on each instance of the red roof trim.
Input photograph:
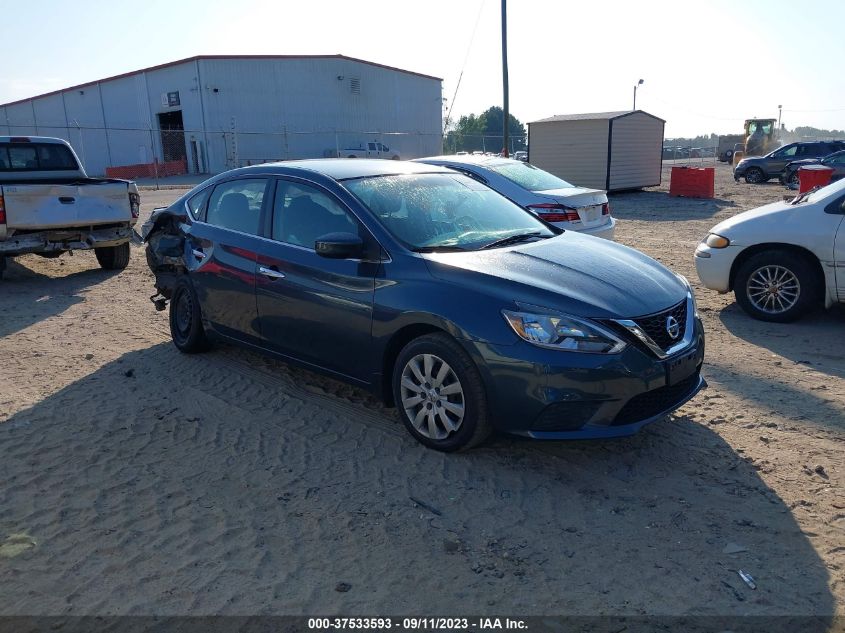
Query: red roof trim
(196, 58)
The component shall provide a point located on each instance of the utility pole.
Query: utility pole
(506, 108)
(639, 83)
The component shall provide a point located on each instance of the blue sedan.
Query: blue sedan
(425, 286)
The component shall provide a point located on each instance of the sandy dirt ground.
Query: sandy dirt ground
(136, 480)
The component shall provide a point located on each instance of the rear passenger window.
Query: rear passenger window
(196, 204)
(302, 213)
(236, 205)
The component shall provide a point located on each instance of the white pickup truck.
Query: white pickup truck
(49, 206)
(373, 149)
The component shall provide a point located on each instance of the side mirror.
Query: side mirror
(339, 246)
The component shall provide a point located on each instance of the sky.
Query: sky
(706, 65)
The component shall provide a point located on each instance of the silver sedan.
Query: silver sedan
(547, 196)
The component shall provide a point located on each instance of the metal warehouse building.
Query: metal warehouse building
(207, 114)
(605, 150)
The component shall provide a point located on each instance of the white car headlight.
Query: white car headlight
(557, 331)
(717, 241)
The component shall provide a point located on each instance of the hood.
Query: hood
(804, 161)
(579, 274)
(575, 196)
(752, 227)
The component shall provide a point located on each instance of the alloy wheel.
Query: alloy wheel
(773, 289)
(432, 396)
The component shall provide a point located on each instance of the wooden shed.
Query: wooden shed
(603, 150)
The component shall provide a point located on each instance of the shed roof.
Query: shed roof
(204, 57)
(595, 116)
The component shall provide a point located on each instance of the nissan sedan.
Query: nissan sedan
(433, 291)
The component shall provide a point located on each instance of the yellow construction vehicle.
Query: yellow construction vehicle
(761, 137)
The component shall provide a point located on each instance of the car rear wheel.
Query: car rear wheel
(186, 320)
(794, 180)
(754, 176)
(440, 395)
(113, 257)
(777, 286)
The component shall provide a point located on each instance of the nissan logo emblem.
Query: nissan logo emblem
(673, 328)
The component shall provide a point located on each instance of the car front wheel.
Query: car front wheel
(755, 176)
(186, 319)
(440, 394)
(777, 286)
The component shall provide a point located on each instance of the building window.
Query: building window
(355, 85)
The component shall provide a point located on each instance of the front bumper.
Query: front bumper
(550, 394)
(714, 265)
(61, 240)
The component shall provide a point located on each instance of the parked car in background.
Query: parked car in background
(781, 260)
(521, 155)
(49, 205)
(758, 169)
(432, 290)
(836, 161)
(547, 196)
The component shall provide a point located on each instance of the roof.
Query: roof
(345, 168)
(25, 138)
(467, 159)
(595, 116)
(207, 57)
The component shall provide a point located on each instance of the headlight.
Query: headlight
(716, 241)
(561, 332)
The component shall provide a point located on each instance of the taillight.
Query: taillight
(605, 208)
(553, 212)
(134, 204)
(2, 210)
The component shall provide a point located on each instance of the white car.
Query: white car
(550, 198)
(783, 259)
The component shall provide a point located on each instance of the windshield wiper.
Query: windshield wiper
(445, 248)
(803, 196)
(512, 239)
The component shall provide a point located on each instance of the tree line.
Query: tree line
(484, 132)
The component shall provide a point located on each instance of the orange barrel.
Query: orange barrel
(813, 176)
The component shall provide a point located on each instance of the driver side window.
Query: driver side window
(303, 213)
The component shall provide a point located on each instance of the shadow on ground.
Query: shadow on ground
(27, 297)
(816, 340)
(659, 205)
(227, 483)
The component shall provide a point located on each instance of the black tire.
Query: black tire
(808, 288)
(186, 319)
(794, 180)
(113, 257)
(755, 176)
(475, 425)
(2, 265)
(728, 156)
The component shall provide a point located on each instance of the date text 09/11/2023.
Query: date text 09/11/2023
(416, 624)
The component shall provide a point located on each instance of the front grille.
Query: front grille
(565, 416)
(655, 325)
(650, 403)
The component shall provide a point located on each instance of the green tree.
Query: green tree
(484, 132)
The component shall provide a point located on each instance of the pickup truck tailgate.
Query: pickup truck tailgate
(46, 206)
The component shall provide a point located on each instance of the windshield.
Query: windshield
(443, 211)
(527, 176)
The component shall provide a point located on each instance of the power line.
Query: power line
(463, 67)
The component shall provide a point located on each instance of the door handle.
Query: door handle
(67, 199)
(198, 253)
(270, 273)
